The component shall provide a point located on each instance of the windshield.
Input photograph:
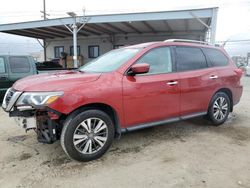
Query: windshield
(110, 61)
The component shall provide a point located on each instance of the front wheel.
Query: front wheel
(88, 135)
(219, 108)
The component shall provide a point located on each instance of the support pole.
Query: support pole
(44, 41)
(74, 27)
(211, 30)
(213, 26)
(44, 50)
(44, 45)
(44, 10)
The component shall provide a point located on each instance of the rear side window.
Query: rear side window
(190, 58)
(19, 64)
(159, 60)
(216, 57)
(2, 65)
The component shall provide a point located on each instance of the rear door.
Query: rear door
(198, 81)
(20, 67)
(227, 71)
(155, 95)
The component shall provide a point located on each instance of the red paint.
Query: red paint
(138, 99)
(53, 116)
(149, 98)
(140, 68)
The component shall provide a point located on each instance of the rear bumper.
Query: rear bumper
(237, 94)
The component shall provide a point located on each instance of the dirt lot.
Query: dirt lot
(185, 154)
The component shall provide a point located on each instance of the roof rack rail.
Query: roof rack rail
(187, 40)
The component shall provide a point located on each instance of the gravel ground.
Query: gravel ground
(185, 154)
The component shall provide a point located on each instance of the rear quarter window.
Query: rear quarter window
(216, 57)
(19, 64)
(190, 58)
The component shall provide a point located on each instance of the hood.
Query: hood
(56, 81)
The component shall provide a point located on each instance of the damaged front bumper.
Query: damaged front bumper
(28, 123)
(46, 128)
(44, 121)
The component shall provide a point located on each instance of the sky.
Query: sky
(232, 22)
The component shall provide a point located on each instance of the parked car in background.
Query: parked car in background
(125, 90)
(12, 68)
(15, 67)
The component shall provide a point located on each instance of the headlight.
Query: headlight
(38, 98)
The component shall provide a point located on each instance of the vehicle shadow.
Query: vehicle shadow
(179, 131)
(132, 143)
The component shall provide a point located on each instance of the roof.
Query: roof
(167, 22)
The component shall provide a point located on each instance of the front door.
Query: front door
(153, 96)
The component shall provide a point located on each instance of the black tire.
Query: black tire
(72, 125)
(212, 112)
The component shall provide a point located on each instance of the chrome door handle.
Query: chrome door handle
(171, 83)
(213, 77)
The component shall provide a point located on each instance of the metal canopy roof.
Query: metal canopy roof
(193, 21)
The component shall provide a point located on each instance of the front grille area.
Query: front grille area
(10, 99)
(9, 96)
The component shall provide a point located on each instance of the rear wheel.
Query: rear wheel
(88, 135)
(219, 108)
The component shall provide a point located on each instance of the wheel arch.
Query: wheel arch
(229, 94)
(103, 107)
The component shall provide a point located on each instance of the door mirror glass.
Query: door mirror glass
(141, 68)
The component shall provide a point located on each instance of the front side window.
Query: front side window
(110, 61)
(159, 60)
(2, 65)
(190, 58)
(19, 64)
(58, 50)
(216, 57)
(93, 51)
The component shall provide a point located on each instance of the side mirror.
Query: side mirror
(139, 69)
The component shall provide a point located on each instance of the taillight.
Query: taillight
(239, 72)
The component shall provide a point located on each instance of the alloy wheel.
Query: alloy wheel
(220, 108)
(90, 135)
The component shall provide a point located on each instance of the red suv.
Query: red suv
(124, 90)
